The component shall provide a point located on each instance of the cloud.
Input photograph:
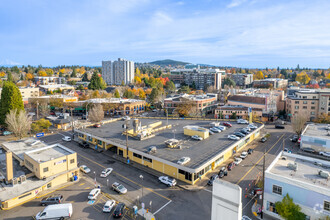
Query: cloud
(8, 62)
(235, 3)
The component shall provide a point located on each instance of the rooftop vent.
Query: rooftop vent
(23, 178)
(15, 181)
(34, 142)
(293, 166)
(324, 174)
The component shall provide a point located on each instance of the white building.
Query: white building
(117, 72)
(316, 136)
(305, 185)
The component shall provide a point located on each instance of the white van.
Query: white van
(59, 211)
(94, 193)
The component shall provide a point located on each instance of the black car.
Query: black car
(230, 166)
(263, 139)
(119, 211)
(84, 144)
(250, 151)
(224, 170)
(308, 150)
(244, 132)
(279, 126)
(294, 138)
(84, 117)
(239, 134)
(211, 180)
(50, 200)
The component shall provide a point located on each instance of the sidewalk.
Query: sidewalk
(146, 215)
(254, 209)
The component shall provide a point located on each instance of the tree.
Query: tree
(97, 82)
(74, 73)
(233, 115)
(288, 209)
(42, 73)
(154, 96)
(80, 87)
(187, 108)
(137, 80)
(184, 89)
(323, 118)
(15, 69)
(137, 71)
(229, 82)
(117, 95)
(96, 114)
(49, 72)
(170, 87)
(10, 77)
(303, 78)
(298, 122)
(85, 77)
(18, 122)
(29, 76)
(258, 75)
(142, 94)
(11, 98)
(40, 125)
(128, 93)
(56, 103)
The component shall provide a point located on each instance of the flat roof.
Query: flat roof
(192, 97)
(317, 130)
(49, 153)
(307, 169)
(55, 86)
(199, 151)
(112, 100)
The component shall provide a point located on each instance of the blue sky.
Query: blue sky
(242, 33)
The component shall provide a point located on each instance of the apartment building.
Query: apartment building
(309, 102)
(299, 177)
(27, 92)
(200, 78)
(227, 112)
(274, 83)
(118, 72)
(49, 80)
(244, 80)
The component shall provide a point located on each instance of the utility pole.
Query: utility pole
(263, 185)
(37, 110)
(167, 116)
(126, 127)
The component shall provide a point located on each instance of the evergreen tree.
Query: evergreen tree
(117, 95)
(85, 77)
(74, 73)
(96, 82)
(9, 77)
(11, 98)
(60, 74)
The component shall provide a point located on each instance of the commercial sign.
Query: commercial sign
(40, 134)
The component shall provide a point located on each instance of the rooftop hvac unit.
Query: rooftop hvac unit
(293, 166)
(324, 174)
(15, 181)
(23, 178)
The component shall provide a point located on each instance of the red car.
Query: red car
(227, 124)
(97, 126)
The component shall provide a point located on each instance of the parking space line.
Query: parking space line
(87, 187)
(259, 161)
(81, 184)
(127, 178)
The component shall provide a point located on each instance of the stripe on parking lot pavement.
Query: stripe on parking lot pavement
(81, 184)
(87, 188)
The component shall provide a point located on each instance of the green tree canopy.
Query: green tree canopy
(96, 82)
(288, 209)
(229, 82)
(117, 95)
(85, 77)
(11, 98)
(154, 95)
(169, 86)
(74, 73)
(9, 77)
(184, 89)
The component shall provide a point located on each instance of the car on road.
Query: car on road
(94, 193)
(326, 154)
(167, 180)
(66, 138)
(233, 137)
(85, 169)
(214, 129)
(84, 144)
(119, 211)
(243, 155)
(118, 188)
(237, 160)
(239, 134)
(308, 150)
(279, 126)
(109, 205)
(196, 137)
(97, 125)
(227, 124)
(106, 172)
(250, 151)
(230, 166)
(287, 150)
(183, 160)
(152, 149)
(51, 200)
(211, 180)
(263, 139)
(242, 121)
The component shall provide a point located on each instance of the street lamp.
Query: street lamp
(107, 182)
(174, 132)
(95, 178)
(141, 177)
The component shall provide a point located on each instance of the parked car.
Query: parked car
(214, 129)
(66, 138)
(5, 133)
(263, 139)
(167, 180)
(308, 150)
(211, 132)
(118, 188)
(152, 149)
(252, 126)
(287, 150)
(244, 217)
(247, 129)
(233, 137)
(109, 205)
(224, 170)
(243, 155)
(84, 117)
(211, 180)
(294, 138)
(50, 200)
(326, 154)
(230, 166)
(94, 193)
(279, 126)
(85, 169)
(222, 128)
(237, 160)
(84, 144)
(244, 131)
(106, 172)
(196, 137)
(239, 134)
(183, 160)
(97, 125)
(119, 211)
(250, 151)
(59, 211)
(227, 124)
(242, 121)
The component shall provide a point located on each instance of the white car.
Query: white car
(196, 137)
(183, 160)
(243, 155)
(85, 169)
(66, 138)
(326, 154)
(94, 193)
(167, 180)
(252, 126)
(215, 130)
(222, 128)
(237, 160)
(244, 217)
(233, 137)
(109, 205)
(106, 172)
(242, 121)
(119, 188)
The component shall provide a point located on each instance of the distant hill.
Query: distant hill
(168, 62)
